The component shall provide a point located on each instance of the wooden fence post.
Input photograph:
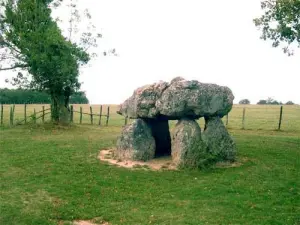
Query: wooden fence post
(34, 116)
(71, 114)
(244, 112)
(11, 116)
(280, 117)
(100, 115)
(1, 123)
(91, 113)
(50, 111)
(25, 113)
(80, 117)
(107, 116)
(43, 115)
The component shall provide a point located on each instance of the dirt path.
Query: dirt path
(154, 164)
(83, 222)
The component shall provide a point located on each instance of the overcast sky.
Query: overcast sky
(210, 41)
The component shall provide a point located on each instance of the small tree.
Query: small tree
(280, 23)
(271, 101)
(244, 102)
(30, 40)
(262, 102)
(289, 103)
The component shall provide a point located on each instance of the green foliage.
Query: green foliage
(29, 32)
(79, 98)
(32, 41)
(269, 101)
(280, 23)
(22, 96)
(244, 102)
(262, 102)
(290, 103)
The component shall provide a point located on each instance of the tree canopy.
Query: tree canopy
(22, 96)
(290, 103)
(280, 23)
(269, 101)
(244, 101)
(31, 40)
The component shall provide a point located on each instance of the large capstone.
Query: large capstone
(178, 99)
(142, 103)
(136, 142)
(218, 140)
(188, 149)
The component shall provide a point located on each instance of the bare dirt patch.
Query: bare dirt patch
(154, 164)
(238, 163)
(84, 222)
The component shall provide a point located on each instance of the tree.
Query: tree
(244, 101)
(262, 102)
(280, 23)
(271, 101)
(79, 98)
(290, 103)
(30, 40)
(22, 96)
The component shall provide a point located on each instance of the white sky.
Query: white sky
(210, 41)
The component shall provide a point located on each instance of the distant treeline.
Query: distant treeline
(22, 96)
(268, 101)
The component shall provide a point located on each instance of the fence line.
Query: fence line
(100, 115)
(280, 118)
(241, 117)
(80, 119)
(35, 115)
(91, 114)
(1, 116)
(244, 118)
(227, 122)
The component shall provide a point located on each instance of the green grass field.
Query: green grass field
(51, 175)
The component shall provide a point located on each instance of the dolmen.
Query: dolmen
(152, 106)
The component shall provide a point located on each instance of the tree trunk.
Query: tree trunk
(60, 113)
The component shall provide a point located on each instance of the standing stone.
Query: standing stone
(136, 142)
(188, 149)
(161, 133)
(218, 140)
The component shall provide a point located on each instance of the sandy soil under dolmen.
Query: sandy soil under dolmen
(154, 164)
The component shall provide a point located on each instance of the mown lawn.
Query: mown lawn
(52, 176)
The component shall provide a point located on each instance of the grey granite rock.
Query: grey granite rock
(177, 99)
(136, 142)
(188, 149)
(218, 140)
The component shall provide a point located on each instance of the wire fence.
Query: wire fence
(248, 117)
(23, 114)
(257, 117)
